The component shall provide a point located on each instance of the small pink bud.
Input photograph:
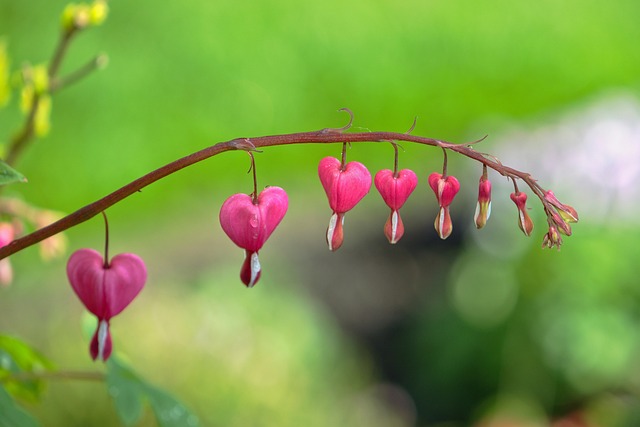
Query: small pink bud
(249, 224)
(483, 208)
(524, 221)
(568, 213)
(445, 189)
(105, 290)
(395, 190)
(345, 187)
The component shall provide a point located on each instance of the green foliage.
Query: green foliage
(5, 88)
(11, 415)
(17, 358)
(9, 174)
(129, 392)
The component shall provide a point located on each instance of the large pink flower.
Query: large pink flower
(249, 224)
(345, 187)
(105, 289)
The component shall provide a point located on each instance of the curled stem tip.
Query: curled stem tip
(413, 126)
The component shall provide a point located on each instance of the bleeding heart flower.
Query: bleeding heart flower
(483, 207)
(105, 289)
(395, 190)
(445, 189)
(345, 187)
(249, 223)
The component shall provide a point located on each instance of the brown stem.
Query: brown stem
(251, 144)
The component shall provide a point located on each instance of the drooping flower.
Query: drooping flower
(105, 289)
(395, 189)
(249, 222)
(483, 208)
(552, 238)
(445, 189)
(7, 235)
(345, 187)
(524, 221)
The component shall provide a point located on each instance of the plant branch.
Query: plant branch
(323, 136)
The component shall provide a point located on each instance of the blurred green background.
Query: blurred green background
(482, 329)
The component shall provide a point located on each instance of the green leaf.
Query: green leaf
(12, 415)
(130, 392)
(17, 357)
(9, 174)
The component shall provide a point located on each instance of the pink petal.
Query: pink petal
(249, 225)
(396, 190)
(105, 292)
(344, 188)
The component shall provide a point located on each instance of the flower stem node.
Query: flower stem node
(345, 185)
(524, 220)
(483, 207)
(105, 288)
(249, 223)
(445, 189)
(395, 189)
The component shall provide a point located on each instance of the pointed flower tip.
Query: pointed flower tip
(251, 269)
(335, 233)
(443, 223)
(394, 228)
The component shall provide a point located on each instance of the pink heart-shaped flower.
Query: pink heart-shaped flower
(250, 224)
(395, 190)
(344, 187)
(105, 290)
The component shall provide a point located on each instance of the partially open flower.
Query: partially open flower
(483, 208)
(445, 189)
(105, 289)
(249, 222)
(524, 221)
(345, 187)
(395, 189)
(568, 213)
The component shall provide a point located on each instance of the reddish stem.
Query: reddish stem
(324, 136)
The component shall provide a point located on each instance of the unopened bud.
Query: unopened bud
(524, 221)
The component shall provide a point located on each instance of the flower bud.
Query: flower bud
(483, 208)
(524, 221)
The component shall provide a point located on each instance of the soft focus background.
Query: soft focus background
(482, 329)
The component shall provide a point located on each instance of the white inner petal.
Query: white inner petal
(394, 226)
(255, 269)
(103, 332)
(332, 228)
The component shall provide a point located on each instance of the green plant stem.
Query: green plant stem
(323, 136)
